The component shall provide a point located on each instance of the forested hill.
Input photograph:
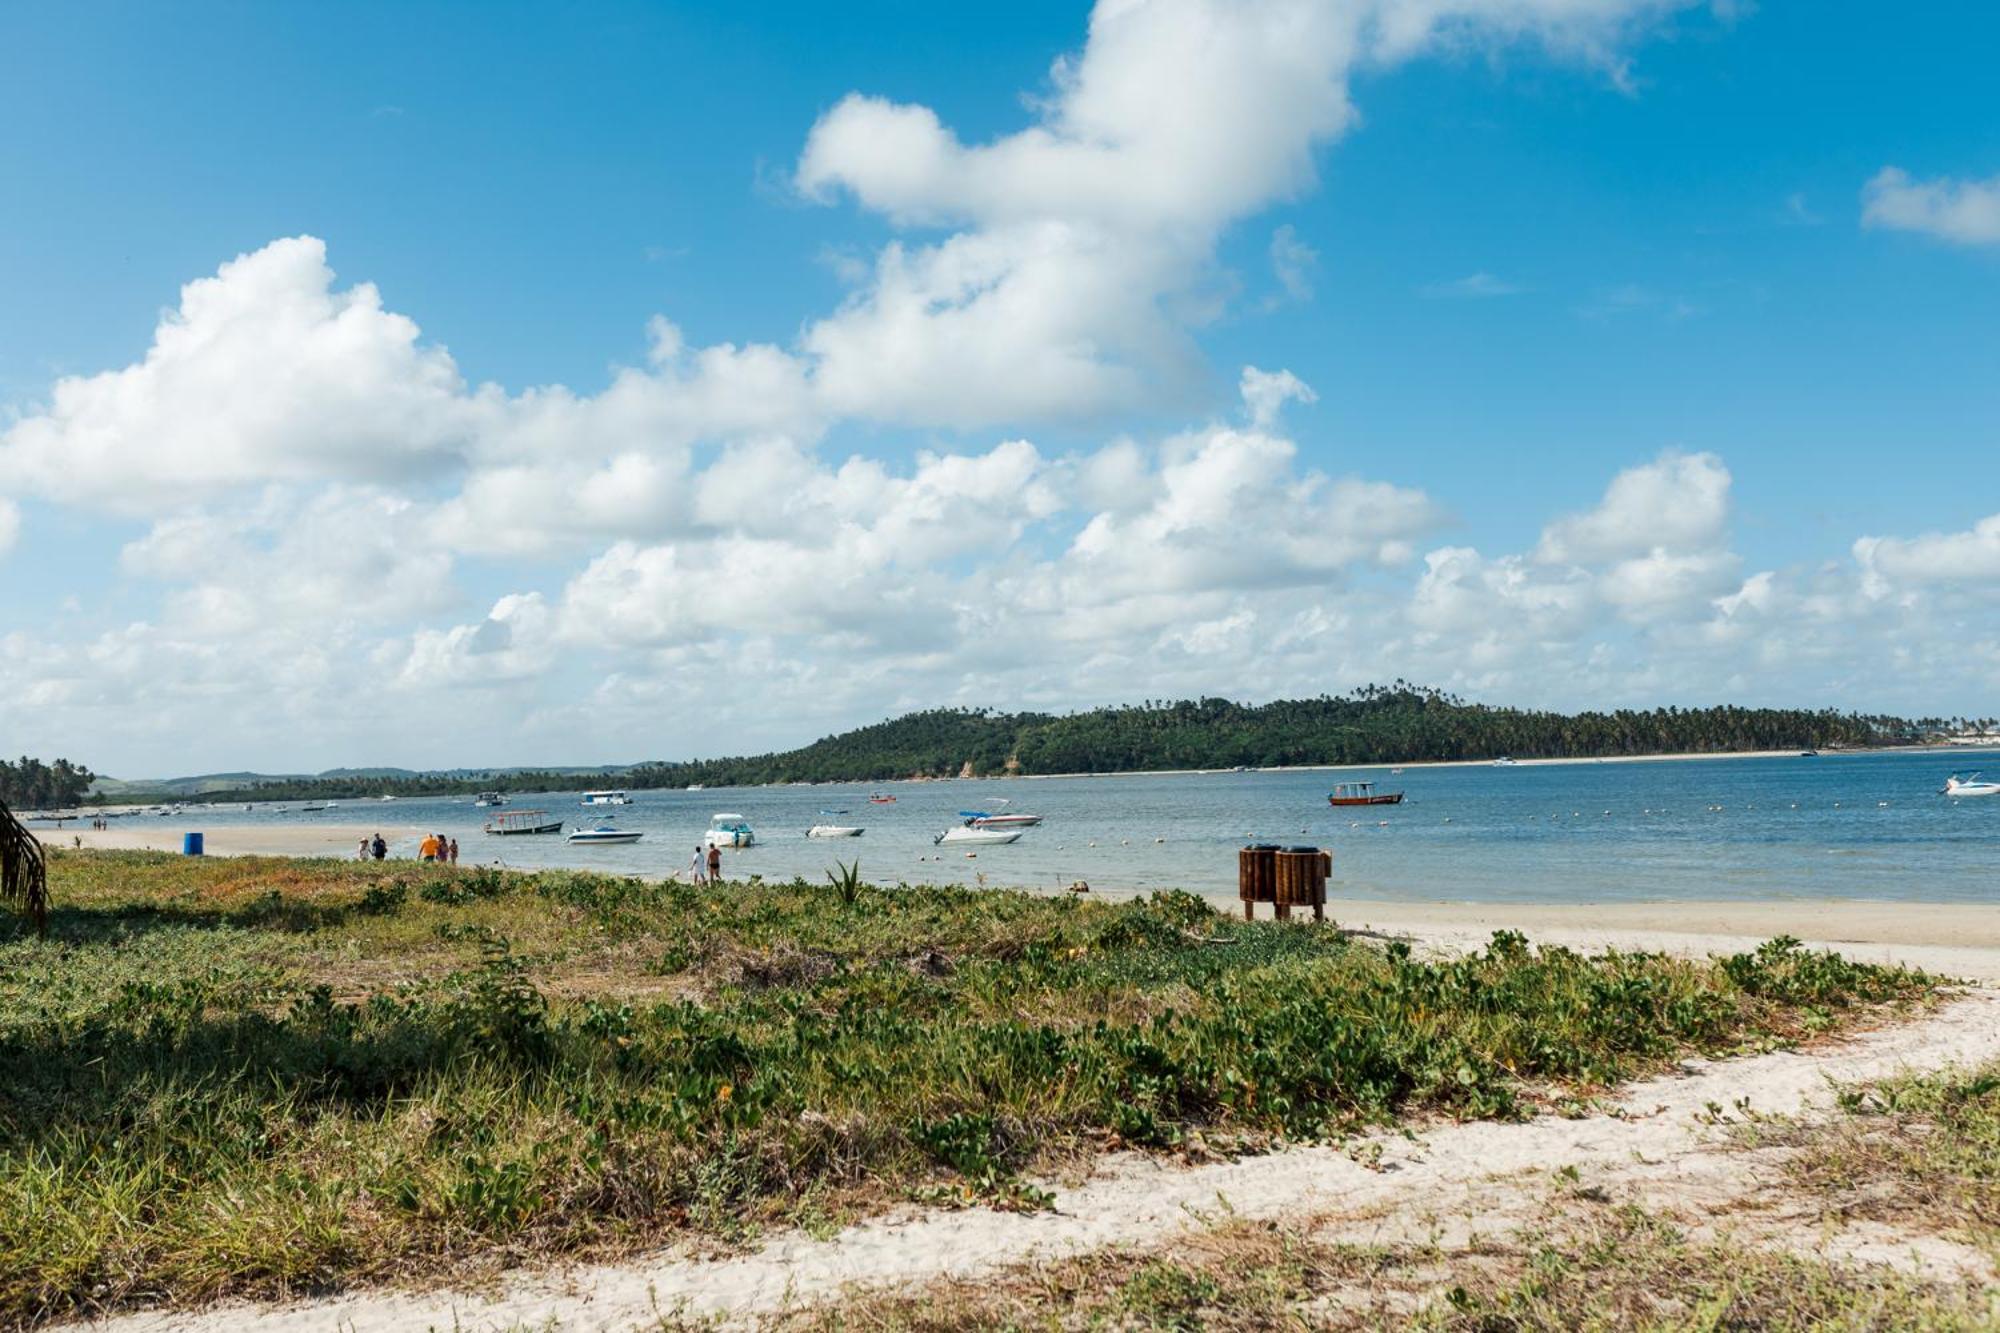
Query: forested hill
(1374, 725)
(1377, 724)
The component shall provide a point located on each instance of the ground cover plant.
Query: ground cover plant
(265, 1076)
(1920, 1152)
(1624, 1269)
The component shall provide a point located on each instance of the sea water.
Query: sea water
(1834, 826)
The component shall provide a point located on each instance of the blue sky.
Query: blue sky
(1551, 244)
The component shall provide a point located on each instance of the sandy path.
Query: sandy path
(1656, 1148)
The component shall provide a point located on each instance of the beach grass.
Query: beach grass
(1621, 1269)
(275, 1076)
(1920, 1152)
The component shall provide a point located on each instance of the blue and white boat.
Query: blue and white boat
(605, 832)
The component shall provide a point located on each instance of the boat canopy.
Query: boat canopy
(725, 819)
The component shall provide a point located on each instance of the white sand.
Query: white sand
(1654, 1150)
(1950, 939)
(336, 840)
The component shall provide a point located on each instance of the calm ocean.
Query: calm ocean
(1836, 826)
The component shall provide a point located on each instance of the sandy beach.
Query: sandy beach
(336, 840)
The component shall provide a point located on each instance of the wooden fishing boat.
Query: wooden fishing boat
(523, 821)
(1361, 793)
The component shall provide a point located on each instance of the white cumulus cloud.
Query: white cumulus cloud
(1966, 212)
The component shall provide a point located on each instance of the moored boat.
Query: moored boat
(980, 819)
(978, 837)
(490, 798)
(605, 833)
(604, 798)
(1361, 793)
(729, 830)
(523, 821)
(1970, 785)
(879, 799)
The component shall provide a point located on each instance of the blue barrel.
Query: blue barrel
(190, 844)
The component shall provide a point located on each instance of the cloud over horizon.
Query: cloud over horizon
(337, 545)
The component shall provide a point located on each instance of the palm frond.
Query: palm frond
(24, 880)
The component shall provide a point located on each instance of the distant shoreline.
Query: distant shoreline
(1386, 764)
(1382, 766)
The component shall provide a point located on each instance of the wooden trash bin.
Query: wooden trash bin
(1301, 880)
(1257, 876)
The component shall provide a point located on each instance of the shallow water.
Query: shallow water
(1837, 826)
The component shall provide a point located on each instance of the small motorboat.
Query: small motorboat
(490, 798)
(605, 833)
(523, 822)
(605, 798)
(835, 831)
(879, 799)
(966, 834)
(1504, 762)
(727, 830)
(980, 819)
(1970, 785)
(1361, 793)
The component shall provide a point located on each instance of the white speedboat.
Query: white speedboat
(967, 835)
(728, 830)
(980, 819)
(1970, 785)
(490, 798)
(605, 833)
(1504, 762)
(835, 831)
(605, 798)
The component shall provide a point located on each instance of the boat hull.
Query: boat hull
(1386, 798)
(587, 837)
(977, 837)
(833, 831)
(528, 830)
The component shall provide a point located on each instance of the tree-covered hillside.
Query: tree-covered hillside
(1399, 723)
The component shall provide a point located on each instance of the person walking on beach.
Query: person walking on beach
(697, 867)
(714, 864)
(379, 847)
(361, 853)
(427, 850)
(452, 851)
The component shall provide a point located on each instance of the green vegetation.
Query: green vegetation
(244, 1075)
(30, 784)
(1623, 1270)
(1377, 724)
(1921, 1152)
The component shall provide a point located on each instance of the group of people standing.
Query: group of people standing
(434, 847)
